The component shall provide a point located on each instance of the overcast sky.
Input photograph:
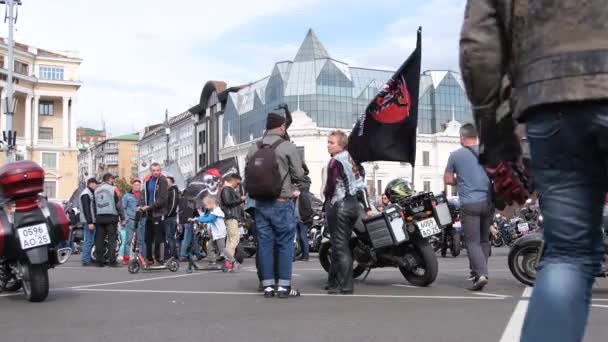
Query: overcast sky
(141, 57)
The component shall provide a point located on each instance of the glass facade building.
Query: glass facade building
(333, 94)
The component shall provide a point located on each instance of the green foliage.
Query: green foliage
(123, 185)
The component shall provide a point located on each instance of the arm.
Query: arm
(128, 208)
(207, 218)
(363, 197)
(86, 208)
(295, 164)
(121, 212)
(334, 171)
(449, 177)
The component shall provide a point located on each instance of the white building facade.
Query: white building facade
(432, 153)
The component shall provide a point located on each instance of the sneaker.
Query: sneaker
(269, 292)
(472, 277)
(288, 292)
(479, 284)
(303, 258)
(125, 260)
(260, 287)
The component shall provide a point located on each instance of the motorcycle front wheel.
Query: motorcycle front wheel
(35, 282)
(425, 271)
(496, 240)
(522, 261)
(325, 259)
(455, 243)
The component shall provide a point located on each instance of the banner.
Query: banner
(209, 181)
(387, 129)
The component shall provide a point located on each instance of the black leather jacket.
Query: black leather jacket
(231, 203)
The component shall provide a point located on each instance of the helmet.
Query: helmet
(398, 190)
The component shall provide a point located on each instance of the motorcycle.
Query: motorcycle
(31, 231)
(106, 251)
(450, 238)
(315, 232)
(397, 237)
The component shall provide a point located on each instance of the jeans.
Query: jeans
(569, 147)
(476, 222)
(87, 243)
(188, 232)
(303, 236)
(170, 230)
(129, 231)
(275, 223)
(141, 233)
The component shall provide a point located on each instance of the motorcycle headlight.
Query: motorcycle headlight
(316, 217)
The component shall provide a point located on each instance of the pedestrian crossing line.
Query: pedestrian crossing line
(512, 332)
(141, 280)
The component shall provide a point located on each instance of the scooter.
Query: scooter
(31, 231)
(138, 262)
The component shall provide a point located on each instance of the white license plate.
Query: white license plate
(457, 224)
(523, 227)
(34, 236)
(428, 227)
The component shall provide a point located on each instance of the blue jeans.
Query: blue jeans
(303, 236)
(569, 147)
(141, 234)
(275, 224)
(127, 238)
(87, 243)
(170, 230)
(188, 232)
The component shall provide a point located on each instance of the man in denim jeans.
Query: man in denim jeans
(553, 57)
(275, 218)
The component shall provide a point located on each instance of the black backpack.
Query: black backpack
(262, 177)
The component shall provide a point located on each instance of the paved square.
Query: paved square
(104, 304)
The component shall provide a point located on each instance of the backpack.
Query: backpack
(262, 177)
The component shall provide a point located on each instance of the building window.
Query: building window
(426, 158)
(48, 72)
(379, 187)
(427, 186)
(370, 187)
(21, 68)
(1, 61)
(46, 108)
(48, 160)
(454, 191)
(45, 133)
(50, 189)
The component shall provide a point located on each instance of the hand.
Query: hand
(145, 208)
(296, 193)
(179, 228)
(370, 213)
(91, 226)
(283, 106)
(243, 198)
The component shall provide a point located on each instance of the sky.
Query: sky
(142, 57)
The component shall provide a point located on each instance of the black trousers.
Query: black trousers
(341, 218)
(109, 231)
(155, 234)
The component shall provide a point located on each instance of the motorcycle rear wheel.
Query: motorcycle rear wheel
(325, 259)
(497, 241)
(133, 266)
(524, 270)
(36, 282)
(426, 271)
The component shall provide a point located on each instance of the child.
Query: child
(214, 218)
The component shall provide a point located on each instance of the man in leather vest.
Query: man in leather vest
(109, 213)
(555, 56)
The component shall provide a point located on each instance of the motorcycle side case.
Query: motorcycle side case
(387, 228)
(21, 179)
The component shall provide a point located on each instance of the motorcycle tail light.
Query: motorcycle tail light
(429, 212)
(410, 218)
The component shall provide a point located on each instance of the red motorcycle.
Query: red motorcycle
(31, 230)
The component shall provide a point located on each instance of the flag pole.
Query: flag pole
(413, 179)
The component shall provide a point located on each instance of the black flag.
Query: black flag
(209, 181)
(387, 129)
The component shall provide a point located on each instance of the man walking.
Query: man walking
(154, 205)
(109, 213)
(87, 217)
(273, 168)
(231, 204)
(171, 221)
(463, 170)
(555, 54)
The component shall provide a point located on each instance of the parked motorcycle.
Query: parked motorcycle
(106, 251)
(397, 237)
(315, 232)
(450, 238)
(31, 229)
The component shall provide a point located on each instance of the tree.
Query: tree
(123, 185)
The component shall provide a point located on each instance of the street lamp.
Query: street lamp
(8, 135)
(167, 133)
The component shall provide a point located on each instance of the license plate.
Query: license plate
(523, 227)
(457, 224)
(34, 236)
(428, 227)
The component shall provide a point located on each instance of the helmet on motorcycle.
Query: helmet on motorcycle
(398, 190)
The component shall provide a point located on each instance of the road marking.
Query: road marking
(491, 294)
(527, 292)
(303, 295)
(512, 332)
(599, 306)
(142, 280)
(11, 294)
(408, 286)
(600, 300)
